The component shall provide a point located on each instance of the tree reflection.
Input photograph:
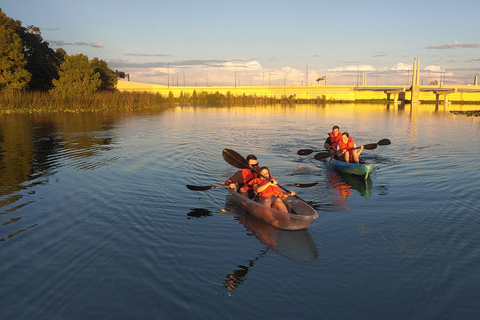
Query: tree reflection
(32, 146)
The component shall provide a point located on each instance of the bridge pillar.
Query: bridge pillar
(415, 90)
(445, 95)
(395, 94)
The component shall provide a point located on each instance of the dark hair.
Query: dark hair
(335, 127)
(346, 134)
(262, 168)
(251, 157)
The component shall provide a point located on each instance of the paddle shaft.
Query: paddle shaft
(204, 188)
(370, 146)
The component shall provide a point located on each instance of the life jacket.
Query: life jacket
(270, 190)
(349, 145)
(334, 140)
(248, 177)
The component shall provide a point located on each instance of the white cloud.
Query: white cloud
(433, 68)
(363, 68)
(401, 67)
(453, 45)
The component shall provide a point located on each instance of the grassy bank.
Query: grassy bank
(33, 102)
(30, 102)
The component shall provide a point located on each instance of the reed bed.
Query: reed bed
(37, 102)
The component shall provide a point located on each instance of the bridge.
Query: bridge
(398, 93)
(343, 93)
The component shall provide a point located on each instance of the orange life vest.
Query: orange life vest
(248, 177)
(334, 140)
(270, 190)
(349, 145)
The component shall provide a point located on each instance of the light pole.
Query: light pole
(183, 78)
(168, 74)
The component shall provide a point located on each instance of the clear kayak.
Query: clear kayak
(300, 214)
(362, 169)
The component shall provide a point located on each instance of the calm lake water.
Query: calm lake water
(96, 221)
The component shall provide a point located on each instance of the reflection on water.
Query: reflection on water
(344, 184)
(295, 245)
(33, 147)
(96, 221)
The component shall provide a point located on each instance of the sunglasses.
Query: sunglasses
(254, 165)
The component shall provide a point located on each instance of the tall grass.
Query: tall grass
(18, 102)
(33, 102)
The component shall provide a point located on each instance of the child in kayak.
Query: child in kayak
(269, 192)
(347, 149)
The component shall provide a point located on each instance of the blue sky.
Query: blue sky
(265, 42)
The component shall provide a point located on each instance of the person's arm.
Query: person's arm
(236, 178)
(327, 143)
(261, 188)
(360, 150)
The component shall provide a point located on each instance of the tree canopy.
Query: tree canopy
(13, 75)
(27, 62)
(77, 76)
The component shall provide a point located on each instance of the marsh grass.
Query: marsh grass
(37, 102)
(19, 102)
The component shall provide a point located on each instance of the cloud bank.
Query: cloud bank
(454, 45)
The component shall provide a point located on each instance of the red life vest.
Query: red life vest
(270, 190)
(248, 177)
(334, 140)
(349, 145)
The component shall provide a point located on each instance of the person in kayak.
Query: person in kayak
(244, 177)
(269, 192)
(347, 149)
(332, 140)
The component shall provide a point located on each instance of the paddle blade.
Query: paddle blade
(384, 142)
(199, 188)
(304, 152)
(321, 156)
(235, 159)
(370, 146)
(304, 185)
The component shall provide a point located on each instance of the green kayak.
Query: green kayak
(362, 169)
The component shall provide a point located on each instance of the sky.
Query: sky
(243, 43)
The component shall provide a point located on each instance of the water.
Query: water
(96, 221)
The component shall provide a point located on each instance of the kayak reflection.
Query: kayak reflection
(294, 245)
(344, 183)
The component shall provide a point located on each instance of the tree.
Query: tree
(76, 76)
(42, 62)
(13, 75)
(107, 77)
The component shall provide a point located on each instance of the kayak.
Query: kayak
(362, 169)
(300, 214)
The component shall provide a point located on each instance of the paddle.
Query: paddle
(370, 146)
(306, 152)
(203, 188)
(235, 159)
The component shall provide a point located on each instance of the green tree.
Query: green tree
(108, 78)
(42, 62)
(13, 75)
(76, 76)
